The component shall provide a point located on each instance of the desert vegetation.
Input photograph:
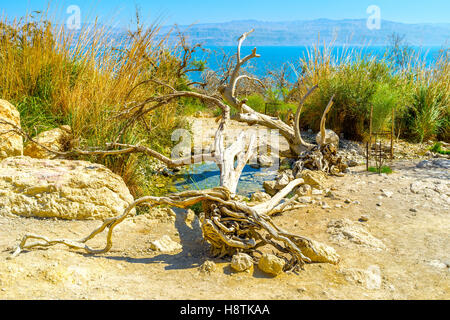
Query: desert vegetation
(401, 79)
(124, 99)
(57, 77)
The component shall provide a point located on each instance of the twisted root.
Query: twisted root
(228, 226)
(324, 159)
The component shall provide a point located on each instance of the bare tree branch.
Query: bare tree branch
(323, 121)
(298, 136)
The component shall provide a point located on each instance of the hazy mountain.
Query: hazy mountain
(299, 33)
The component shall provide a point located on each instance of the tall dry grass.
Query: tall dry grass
(82, 79)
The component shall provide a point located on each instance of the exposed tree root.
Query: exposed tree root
(228, 225)
(323, 158)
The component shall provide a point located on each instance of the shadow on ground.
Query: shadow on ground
(194, 250)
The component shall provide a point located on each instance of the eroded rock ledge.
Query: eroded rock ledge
(11, 143)
(64, 189)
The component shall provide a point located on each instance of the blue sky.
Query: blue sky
(120, 12)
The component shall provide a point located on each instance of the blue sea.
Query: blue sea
(274, 57)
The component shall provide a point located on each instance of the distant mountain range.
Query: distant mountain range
(352, 32)
(305, 33)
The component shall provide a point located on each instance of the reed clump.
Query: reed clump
(418, 92)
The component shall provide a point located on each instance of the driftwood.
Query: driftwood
(229, 225)
(322, 158)
(247, 115)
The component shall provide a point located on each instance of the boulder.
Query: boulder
(304, 199)
(55, 139)
(241, 262)
(265, 161)
(269, 186)
(61, 189)
(370, 279)
(165, 245)
(271, 264)
(262, 161)
(260, 197)
(322, 253)
(330, 138)
(283, 179)
(315, 179)
(208, 267)
(344, 231)
(304, 190)
(162, 214)
(11, 143)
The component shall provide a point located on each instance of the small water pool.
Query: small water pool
(207, 175)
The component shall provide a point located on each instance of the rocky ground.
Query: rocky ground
(391, 231)
(349, 150)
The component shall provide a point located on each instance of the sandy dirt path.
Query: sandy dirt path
(400, 251)
(411, 263)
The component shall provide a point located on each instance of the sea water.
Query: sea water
(274, 57)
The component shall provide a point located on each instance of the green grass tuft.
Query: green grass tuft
(437, 148)
(383, 169)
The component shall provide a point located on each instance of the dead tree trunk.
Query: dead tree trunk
(246, 114)
(228, 225)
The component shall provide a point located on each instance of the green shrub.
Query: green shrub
(256, 102)
(36, 117)
(384, 100)
(425, 117)
(359, 81)
(189, 106)
(353, 85)
(56, 77)
(437, 148)
(383, 169)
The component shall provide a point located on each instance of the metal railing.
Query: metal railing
(379, 152)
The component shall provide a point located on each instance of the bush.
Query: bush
(437, 148)
(425, 118)
(256, 102)
(384, 100)
(383, 169)
(418, 92)
(277, 107)
(354, 85)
